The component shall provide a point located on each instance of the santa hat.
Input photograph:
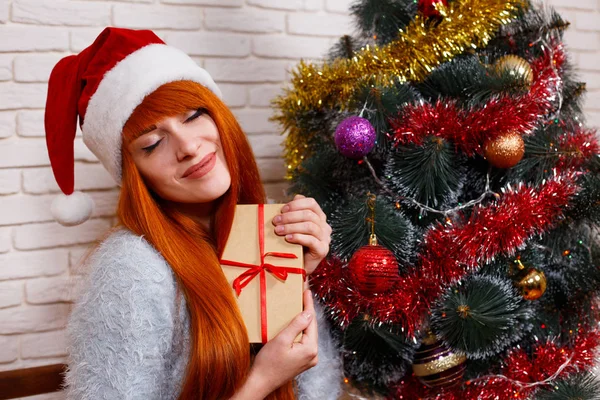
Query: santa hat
(103, 85)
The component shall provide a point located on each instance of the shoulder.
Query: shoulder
(127, 266)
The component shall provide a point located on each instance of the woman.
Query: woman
(156, 318)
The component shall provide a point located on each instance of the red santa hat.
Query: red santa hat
(102, 86)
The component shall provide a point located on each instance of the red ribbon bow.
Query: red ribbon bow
(278, 271)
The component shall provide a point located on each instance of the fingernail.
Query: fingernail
(306, 314)
(285, 208)
(277, 219)
(279, 228)
(288, 237)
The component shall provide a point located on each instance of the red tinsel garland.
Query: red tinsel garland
(450, 251)
(518, 366)
(576, 148)
(470, 129)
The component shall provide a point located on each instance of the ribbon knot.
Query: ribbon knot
(280, 272)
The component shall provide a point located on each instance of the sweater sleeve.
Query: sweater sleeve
(323, 381)
(121, 326)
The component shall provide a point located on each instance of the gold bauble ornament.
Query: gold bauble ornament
(516, 67)
(533, 285)
(505, 151)
(435, 365)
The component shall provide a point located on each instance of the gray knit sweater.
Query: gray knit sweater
(128, 334)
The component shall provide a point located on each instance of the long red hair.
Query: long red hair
(220, 357)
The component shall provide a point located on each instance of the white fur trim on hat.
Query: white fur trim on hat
(73, 209)
(124, 87)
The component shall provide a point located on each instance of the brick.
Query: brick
(156, 17)
(77, 257)
(105, 203)
(593, 119)
(256, 121)
(579, 4)
(579, 40)
(21, 209)
(87, 177)
(319, 24)
(210, 43)
(266, 146)
(4, 9)
(33, 318)
(61, 395)
(6, 68)
(246, 20)
(588, 21)
(33, 38)
(10, 348)
(10, 181)
(49, 290)
(277, 192)
(35, 67)
(33, 153)
(223, 70)
(80, 38)
(234, 95)
(35, 362)
(592, 100)
(271, 169)
(220, 3)
(45, 344)
(56, 12)
(30, 123)
(281, 46)
(52, 234)
(589, 61)
(11, 294)
(127, 1)
(339, 6)
(23, 154)
(261, 95)
(308, 5)
(591, 79)
(28, 264)
(5, 240)
(22, 95)
(8, 125)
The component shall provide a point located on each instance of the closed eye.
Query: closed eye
(198, 113)
(150, 148)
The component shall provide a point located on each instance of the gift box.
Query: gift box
(265, 272)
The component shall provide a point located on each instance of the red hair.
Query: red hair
(220, 357)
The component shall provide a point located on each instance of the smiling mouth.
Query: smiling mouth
(202, 168)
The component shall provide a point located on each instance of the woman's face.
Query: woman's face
(181, 158)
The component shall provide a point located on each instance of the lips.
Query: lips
(202, 168)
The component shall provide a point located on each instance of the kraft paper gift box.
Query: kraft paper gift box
(270, 295)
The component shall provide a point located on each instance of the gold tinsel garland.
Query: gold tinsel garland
(421, 46)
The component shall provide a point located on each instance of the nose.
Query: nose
(186, 143)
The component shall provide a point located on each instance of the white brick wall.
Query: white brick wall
(248, 46)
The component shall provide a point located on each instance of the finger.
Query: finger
(311, 333)
(297, 326)
(297, 216)
(307, 228)
(316, 247)
(304, 203)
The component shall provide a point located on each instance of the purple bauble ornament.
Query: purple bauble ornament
(355, 137)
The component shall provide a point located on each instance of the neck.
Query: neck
(199, 212)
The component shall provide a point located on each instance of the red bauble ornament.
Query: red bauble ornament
(373, 269)
(429, 8)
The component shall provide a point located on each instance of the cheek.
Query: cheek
(154, 171)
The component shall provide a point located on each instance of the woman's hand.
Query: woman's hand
(280, 360)
(303, 222)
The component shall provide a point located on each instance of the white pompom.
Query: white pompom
(72, 210)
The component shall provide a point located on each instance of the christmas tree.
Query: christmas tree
(446, 143)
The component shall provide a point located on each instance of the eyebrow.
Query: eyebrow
(146, 130)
